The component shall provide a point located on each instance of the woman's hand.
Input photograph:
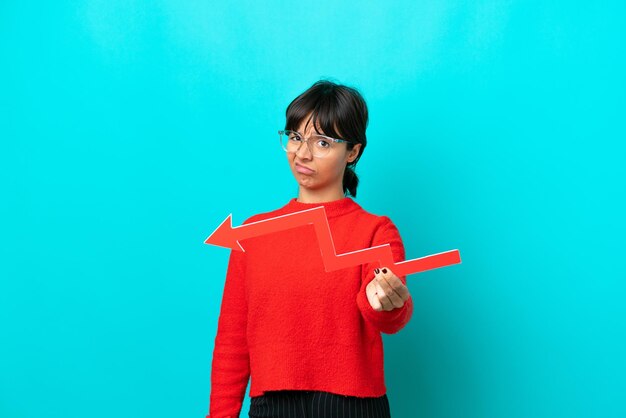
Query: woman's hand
(386, 291)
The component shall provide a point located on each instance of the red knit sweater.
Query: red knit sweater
(285, 323)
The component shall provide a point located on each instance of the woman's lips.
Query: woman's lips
(303, 170)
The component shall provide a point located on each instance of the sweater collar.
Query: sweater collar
(332, 208)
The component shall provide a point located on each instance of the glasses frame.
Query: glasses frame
(330, 139)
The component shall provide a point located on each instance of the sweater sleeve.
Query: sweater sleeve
(388, 322)
(230, 369)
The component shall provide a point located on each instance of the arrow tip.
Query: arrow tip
(225, 235)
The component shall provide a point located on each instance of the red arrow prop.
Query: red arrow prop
(227, 236)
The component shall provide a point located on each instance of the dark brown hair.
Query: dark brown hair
(341, 112)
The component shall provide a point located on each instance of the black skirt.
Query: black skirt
(316, 404)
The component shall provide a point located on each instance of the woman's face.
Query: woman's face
(324, 174)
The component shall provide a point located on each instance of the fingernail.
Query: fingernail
(385, 271)
(377, 271)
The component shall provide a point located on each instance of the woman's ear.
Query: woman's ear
(354, 152)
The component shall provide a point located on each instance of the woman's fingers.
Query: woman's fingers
(387, 298)
(372, 295)
(391, 291)
(386, 291)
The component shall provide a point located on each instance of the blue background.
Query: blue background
(130, 129)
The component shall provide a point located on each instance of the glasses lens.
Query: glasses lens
(290, 141)
(319, 146)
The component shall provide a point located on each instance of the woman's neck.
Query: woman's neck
(308, 196)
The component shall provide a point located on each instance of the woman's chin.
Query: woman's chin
(305, 181)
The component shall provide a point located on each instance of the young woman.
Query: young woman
(310, 340)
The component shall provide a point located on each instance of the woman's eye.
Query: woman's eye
(323, 144)
(295, 138)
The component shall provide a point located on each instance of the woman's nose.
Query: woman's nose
(304, 150)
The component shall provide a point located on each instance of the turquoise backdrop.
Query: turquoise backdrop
(130, 129)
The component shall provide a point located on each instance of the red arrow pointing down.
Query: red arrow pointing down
(227, 236)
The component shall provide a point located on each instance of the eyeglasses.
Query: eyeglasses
(319, 145)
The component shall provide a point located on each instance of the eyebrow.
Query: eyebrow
(316, 133)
